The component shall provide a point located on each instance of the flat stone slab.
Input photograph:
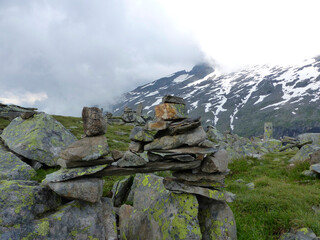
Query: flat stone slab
(187, 150)
(86, 149)
(150, 167)
(73, 164)
(218, 195)
(184, 125)
(188, 176)
(87, 189)
(66, 174)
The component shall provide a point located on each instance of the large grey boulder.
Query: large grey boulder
(216, 220)
(75, 220)
(305, 137)
(86, 149)
(40, 138)
(23, 201)
(87, 189)
(191, 138)
(13, 168)
(161, 215)
(214, 134)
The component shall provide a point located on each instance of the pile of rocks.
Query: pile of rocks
(174, 140)
(89, 151)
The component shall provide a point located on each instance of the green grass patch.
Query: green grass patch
(282, 198)
(41, 173)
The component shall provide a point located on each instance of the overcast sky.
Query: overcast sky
(61, 55)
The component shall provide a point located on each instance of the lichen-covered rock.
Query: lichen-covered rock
(216, 220)
(305, 137)
(139, 134)
(216, 163)
(170, 111)
(121, 190)
(191, 138)
(12, 168)
(40, 138)
(23, 201)
(116, 155)
(93, 122)
(131, 159)
(304, 153)
(300, 234)
(75, 220)
(161, 215)
(66, 174)
(214, 135)
(87, 189)
(86, 149)
(272, 145)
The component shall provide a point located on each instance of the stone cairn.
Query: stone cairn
(175, 142)
(172, 141)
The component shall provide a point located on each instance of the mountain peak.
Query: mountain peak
(287, 96)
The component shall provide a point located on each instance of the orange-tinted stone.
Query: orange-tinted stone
(170, 111)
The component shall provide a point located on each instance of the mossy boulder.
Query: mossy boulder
(13, 168)
(271, 145)
(75, 220)
(23, 201)
(161, 215)
(216, 220)
(304, 153)
(314, 137)
(40, 138)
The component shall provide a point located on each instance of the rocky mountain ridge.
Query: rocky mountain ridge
(287, 96)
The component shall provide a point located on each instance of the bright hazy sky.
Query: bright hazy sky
(61, 55)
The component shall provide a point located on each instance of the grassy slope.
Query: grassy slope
(282, 198)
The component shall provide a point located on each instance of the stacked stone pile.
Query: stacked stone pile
(89, 151)
(172, 139)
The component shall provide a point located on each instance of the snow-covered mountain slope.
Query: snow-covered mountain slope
(287, 96)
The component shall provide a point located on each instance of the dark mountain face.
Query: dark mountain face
(287, 96)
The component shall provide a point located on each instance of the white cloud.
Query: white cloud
(22, 98)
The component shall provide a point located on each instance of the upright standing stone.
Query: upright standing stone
(139, 109)
(268, 130)
(93, 122)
